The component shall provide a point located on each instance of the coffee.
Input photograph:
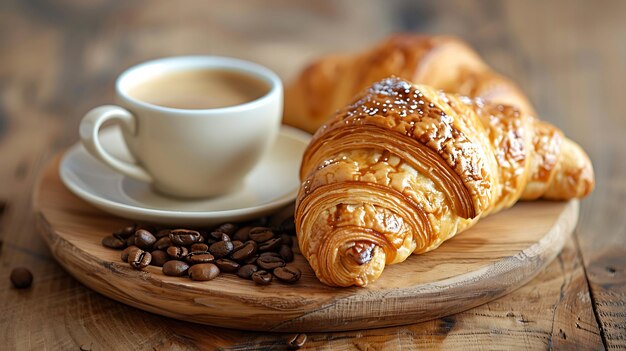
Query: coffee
(200, 89)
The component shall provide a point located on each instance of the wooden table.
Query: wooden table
(58, 59)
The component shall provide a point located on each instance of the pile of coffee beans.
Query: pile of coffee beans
(259, 252)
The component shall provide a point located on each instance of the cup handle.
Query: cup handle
(89, 128)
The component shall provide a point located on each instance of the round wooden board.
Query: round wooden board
(498, 255)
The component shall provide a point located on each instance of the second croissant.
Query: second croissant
(405, 167)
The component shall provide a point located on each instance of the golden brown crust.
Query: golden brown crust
(405, 167)
(443, 62)
(423, 119)
(573, 174)
(509, 135)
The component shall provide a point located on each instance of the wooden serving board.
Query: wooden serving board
(498, 255)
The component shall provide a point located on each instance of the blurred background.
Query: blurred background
(61, 57)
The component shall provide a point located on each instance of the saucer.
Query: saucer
(273, 183)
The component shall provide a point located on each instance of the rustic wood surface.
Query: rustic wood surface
(58, 59)
(498, 255)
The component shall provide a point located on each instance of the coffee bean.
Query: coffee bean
(216, 235)
(226, 265)
(119, 234)
(184, 236)
(270, 254)
(199, 257)
(270, 262)
(250, 260)
(248, 249)
(21, 278)
(219, 236)
(162, 233)
(270, 245)
(177, 252)
(175, 268)
(144, 239)
(159, 257)
(296, 341)
(139, 259)
(246, 271)
(211, 240)
(121, 238)
(261, 234)
(287, 274)
(113, 243)
(198, 247)
(124, 255)
(242, 234)
(221, 248)
(237, 245)
(148, 227)
(262, 277)
(287, 239)
(163, 243)
(128, 230)
(203, 272)
(228, 228)
(131, 240)
(286, 253)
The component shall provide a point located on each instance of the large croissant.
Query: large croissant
(405, 167)
(442, 62)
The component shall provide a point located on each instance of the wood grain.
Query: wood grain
(580, 83)
(493, 258)
(60, 58)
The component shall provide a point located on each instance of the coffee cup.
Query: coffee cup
(195, 125)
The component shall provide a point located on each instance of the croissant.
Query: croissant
(442, 62)
(405, 167)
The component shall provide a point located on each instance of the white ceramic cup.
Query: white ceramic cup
(188, 153)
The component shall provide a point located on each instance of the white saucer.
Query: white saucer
(272, 184)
